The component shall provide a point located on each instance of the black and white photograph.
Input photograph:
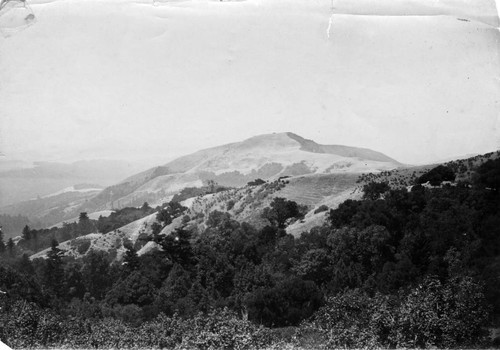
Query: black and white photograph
(249, 174)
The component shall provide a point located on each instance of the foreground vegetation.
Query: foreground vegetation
(400, 268)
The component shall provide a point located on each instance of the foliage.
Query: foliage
(437, 175)
(346, 321)
(432, 314)
(407, 268)
(489, 174)
(321, 209)
(444, 315)
(374, 190)
(280, 211)
(122, 217)
(256, 182)
(169, 211)
(285, 304)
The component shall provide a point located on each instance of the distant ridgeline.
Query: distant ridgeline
(12, 225)
(413, 262)
(463, 170)
(33, 240)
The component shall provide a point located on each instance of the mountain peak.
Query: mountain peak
(279, 141)
(266, 156)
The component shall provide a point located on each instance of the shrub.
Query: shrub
(374, 190)
(344, 322)
(230, 205)
(25, 325)
(83, 245)
(186, 219)
(256, 182)
(433, 314)
(321, 208)
(221, 329)
(443, 315)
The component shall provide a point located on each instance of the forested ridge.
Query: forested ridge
(402, 267)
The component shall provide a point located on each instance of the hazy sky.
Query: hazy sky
(129, 80)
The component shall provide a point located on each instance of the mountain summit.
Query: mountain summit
(266, 156)
(344, 151)
(286, 153)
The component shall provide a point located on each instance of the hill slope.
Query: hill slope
(265, 156)
(244, 204)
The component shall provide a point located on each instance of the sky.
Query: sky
(136, 80)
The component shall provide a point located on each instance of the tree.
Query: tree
(24, 265)
(135, 288)
(173, 290)
(10, 246)
(130, 259)
(218, 219)
(211, 186)
(256, 182)
(83, 217)
(85, 225)
(2, 244)
(315, 265)
(155, 230)
(164, 217)
(26, 233)
(344, 213)
(96, 273)
(374, 190)
(177, 247)
(286, 304)
(437, 175)
(489, 174)
(54, 271)
(73, 281)
(280, 211)
(169, 212)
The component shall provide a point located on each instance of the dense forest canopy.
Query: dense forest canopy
(402, 267)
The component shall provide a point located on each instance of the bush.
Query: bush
(344, 322)
(256, 182)
(222, 329)
(25, 325)
(321, 208)
(83, 245)
(230, 205)
(433, 314)
(443, 315)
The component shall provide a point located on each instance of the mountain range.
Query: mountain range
(23, 181)
(267, 157)
(316, 177)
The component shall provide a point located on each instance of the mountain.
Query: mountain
(243, 204)
(22, 181)
(315, 194)
(266, 156)
(293, 167)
